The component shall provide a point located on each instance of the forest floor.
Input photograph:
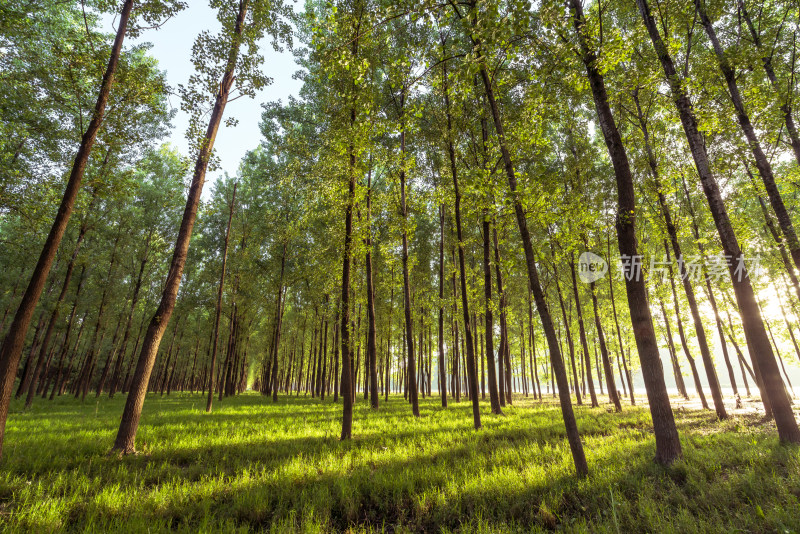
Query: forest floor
(253, 465)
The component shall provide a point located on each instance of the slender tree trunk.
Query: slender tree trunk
(682, 336)
(725, 355)
(570, 343)
(440, 338)
(389, 341)
(505, 357)
(372, 348)
(456, 380)
(742, 363)
(279, 328)
(27, 373)
(218, 310)
(780, 358)
(762, 163)
(607, 371)
(468, 334)
(582, 329)
(573, 437)
(411, 377)
(347, 368)
(170, 360)
(494, 398)
(619, 332)
(676, 368)
(15, 338)
(752, 322)
(524, 378)
(126, 435)
(532, 352)
(668, 446)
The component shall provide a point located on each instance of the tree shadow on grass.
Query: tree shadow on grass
(396, 472)
(423, 492)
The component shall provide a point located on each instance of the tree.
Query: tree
(240, 26)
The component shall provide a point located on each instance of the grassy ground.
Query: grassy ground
(257, 466)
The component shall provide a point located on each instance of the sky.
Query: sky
(172, 47)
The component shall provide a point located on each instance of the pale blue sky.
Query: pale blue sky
(172, 47)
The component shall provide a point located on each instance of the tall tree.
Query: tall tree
(237, 30)
(668, 446)
(743, 289)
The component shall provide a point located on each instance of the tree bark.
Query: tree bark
(15, 338)
(126, 435)
(218, 311)
(751, 318)
(762, 163)
(668, 445)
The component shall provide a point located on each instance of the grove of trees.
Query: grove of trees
(415, 221)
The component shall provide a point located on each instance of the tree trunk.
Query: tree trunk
(762, 163)
(126, 435)
(619, 332)
(372, 348)
(505, 357)
(279, 328)
(573, 437)
(610, 384)
(470, 346)
(532, 353)
(218, 311)
(682, 336)
(440, 340)
(347, 368)
(568, 334)
(676, 368)
(668, 445)
(494, 398)
(15, 338)
(582, 329)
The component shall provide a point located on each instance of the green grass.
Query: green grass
(257, 466)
